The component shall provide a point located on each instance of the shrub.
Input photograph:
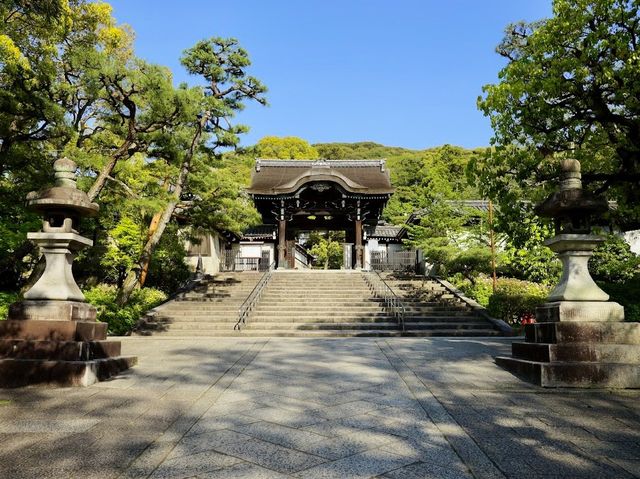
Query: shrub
(6, 298)
(122, 320)
(515, 298)
(627, 294)
(480, 290)
(614, 262)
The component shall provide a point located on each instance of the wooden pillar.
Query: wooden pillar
(282, 229)
(359, 247)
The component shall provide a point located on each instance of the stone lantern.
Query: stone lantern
(576, 297)
(56, 294)
(52, 336)
(580, 338)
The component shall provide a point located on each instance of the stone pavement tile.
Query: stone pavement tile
(562, 460)
(631, 466)
(362, 421)
(271, 456)
(189, 466)
(243, 470)
(281, 435)
(263, 398)
(410, 413)
(335, 428)
(215, 423)
(351, 409)
(50, 425)
(359, 466)
(422, 470)
(434, 452)
(227, 405)
(339, 447)
(345, 397)
(285, 417)
(207, 441)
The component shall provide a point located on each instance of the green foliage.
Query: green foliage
(122, 319)
(614, 262)
(286, 148)
(168, 270)
(627, 294)
(571, 80)
(124, 244)
(479, 290)
(365, 150)
(512, 299)
(327, 249)
(6, 298)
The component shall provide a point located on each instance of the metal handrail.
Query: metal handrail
(252, 299)
(382, 290)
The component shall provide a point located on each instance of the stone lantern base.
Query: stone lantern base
(63, 352)
(584, 354)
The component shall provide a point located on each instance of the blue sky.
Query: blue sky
(401, 73)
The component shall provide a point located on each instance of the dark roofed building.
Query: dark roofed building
(298, 195)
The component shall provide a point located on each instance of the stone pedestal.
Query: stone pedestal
(57, 282)
(580, 339)
(578, 354)
(57, 353)
(579, 311)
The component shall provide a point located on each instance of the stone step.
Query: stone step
(328, 306)
(320, 318)
(319, 326)
(329, 333)
(596, 352)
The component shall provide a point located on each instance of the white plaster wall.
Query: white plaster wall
(210, 264)
(633, 238)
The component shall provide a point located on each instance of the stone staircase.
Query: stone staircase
(314, 304)
(319, 303)
(210, 309)
(433, 310)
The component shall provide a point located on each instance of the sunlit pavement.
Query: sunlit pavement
(318, 408)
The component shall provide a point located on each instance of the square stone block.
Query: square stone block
(43, 310)
(24, 372)
(580, 332)
(53, 330)
(573, 374)
(59, 350)
(572, 311)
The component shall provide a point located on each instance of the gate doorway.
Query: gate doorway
(326, 247)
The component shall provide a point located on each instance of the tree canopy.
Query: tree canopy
(286, 148)
(570, 87)
(150, 152)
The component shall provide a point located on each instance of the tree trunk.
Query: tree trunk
(133, 279)
(106, 171)
(153, 227)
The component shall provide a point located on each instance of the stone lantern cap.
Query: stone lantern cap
(572, 206)
(64, 196)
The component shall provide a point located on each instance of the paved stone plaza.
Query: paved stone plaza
(318, 408)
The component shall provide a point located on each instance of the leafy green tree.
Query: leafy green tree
(286, 148)
(327, 248)
(222, 63)
(48, 101)
(614, 262)
(570, 87)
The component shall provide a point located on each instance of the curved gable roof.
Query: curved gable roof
(276, 177)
